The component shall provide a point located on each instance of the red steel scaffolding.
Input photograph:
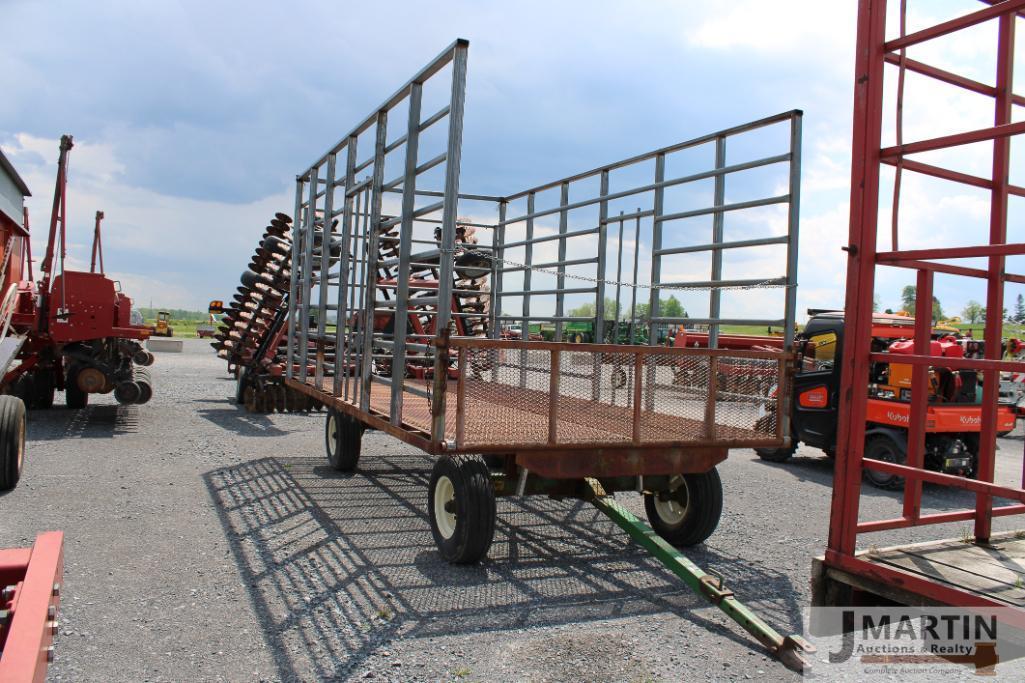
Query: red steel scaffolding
(875, 54)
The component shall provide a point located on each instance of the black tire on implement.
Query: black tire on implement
(12, 441)
(461, 507)
(690, 514)
(343, 438)
(240, 386)
(42, 395)
(776, 454)
(74, 397)
(882, 447)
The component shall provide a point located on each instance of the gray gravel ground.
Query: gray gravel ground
(203, 543)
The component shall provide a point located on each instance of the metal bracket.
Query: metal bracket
(712, 587)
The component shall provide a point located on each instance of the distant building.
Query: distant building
(13, 191)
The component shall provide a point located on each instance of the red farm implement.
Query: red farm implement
(977, 570)
(30, 590)
(75, 327)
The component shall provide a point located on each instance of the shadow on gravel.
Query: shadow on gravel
(339, 565)
(820, 471)
(235, 419)
(91, 422)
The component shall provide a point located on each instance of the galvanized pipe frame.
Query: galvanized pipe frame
(346, 276)
(659, 217)
(358, 280)
(874, 52)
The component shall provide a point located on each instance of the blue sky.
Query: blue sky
(192, 118)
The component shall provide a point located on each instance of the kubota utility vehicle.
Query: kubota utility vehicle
(954, 413)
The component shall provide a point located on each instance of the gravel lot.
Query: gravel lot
(203, 543)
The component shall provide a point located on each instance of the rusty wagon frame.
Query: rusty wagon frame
(402, 319)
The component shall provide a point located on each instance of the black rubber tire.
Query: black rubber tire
(43, 391)
(24, 388)
(700, 496)
(74, 397)
(465, 533)
(240, 386)
(12, 441)
(619, 378)
(880, 447)
(776, 454)
(343, 437)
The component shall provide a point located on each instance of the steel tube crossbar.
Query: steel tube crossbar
(694, 142)
(662, 184)
(952, 252)
(738, 244)
(981, 135)
(935, 518)
(954, 25)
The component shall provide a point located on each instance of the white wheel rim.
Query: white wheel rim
(670, 511)
(444, 492)
(332, 433)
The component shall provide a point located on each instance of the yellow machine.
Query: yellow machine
(163, 327)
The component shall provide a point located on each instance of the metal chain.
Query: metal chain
(767, 284)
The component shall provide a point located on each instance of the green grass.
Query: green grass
(181, 328)
(978, 330)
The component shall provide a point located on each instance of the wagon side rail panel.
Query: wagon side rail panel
(648, 396)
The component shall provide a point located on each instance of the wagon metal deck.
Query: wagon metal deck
(502, 401)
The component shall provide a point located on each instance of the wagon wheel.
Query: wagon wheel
(461, 508)
(343, 437)
(12, 441)
(689, 512)
(618, 377)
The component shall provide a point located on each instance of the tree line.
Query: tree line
(972, 313)
(667, 308)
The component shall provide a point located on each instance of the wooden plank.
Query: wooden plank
(957, 568)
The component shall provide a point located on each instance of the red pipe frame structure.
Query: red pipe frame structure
(873, 53)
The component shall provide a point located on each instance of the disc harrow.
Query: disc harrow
(251, 337)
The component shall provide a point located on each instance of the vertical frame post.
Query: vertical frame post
(995, 284)
(325, 267)
(919, 393)
(861, 253)
(528, 258)
(342, 313)
(718, 220)
(307, 270)
(497, 271)
(448, 233)
(297, 222)
(398, 365)
(656, 271)
(370, 266)
(560, 286)
(793, 228)
(599, 324)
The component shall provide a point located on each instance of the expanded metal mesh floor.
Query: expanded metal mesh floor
(504, 415)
